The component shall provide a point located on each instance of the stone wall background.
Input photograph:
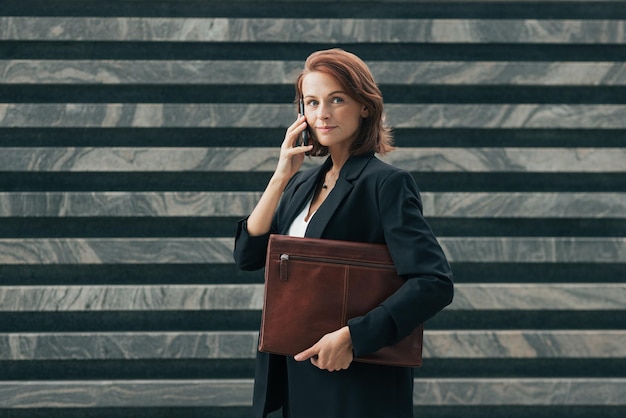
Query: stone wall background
(133, 135)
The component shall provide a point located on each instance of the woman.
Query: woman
(352, 196)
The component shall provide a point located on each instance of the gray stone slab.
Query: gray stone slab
(129, 159)
(595, 296)
(141, 159)
(313, 30)
(219, 250)
(483, 344)
(559, 205)
(128, 346)
(535, 250)
(146, 115)
(120, 72)
(506, 116)
(116, 251)
(492, 297)
(240, 72)
(510, 391)
(76, 298)
(524, 344)
(525, 205)
(489, 73)
(127, 204)
(544, 160)
(125, 393)
(153, 115)
(198, 393)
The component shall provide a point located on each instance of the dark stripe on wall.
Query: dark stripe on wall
(71, 50)
(269, 137)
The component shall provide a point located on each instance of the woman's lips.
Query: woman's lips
(325, 129)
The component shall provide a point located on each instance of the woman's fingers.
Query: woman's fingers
(292, 156)
(332, 352)
(294, 131)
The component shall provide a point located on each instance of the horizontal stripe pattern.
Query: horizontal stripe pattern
(258, 72)
(135, 135)
(313, 30)
(518, 344)
(438, 116)
(128, 159)
(564, 205)
(238, 392)
(219, 250)
(226, 297)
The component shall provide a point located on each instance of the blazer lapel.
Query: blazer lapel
(349, 172)
(302, 195)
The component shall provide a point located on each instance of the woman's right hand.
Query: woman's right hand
(289, 162)
(291, 156)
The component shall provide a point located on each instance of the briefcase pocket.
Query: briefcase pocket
(302, 306)
(315, 296)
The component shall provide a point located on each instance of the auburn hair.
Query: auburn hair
(357, 80)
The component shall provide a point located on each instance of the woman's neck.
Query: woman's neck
(338, 159)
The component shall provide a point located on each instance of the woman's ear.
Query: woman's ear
(364, 112)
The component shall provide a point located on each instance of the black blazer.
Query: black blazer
(373, 202)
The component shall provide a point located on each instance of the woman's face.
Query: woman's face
(334, 117)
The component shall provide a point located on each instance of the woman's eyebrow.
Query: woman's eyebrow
(329, 94)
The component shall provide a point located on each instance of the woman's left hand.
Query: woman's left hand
(332, 352)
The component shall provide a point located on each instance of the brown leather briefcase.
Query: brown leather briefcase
(314, 286)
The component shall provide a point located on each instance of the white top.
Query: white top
(300, 224)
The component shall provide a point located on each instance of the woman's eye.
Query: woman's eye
(337, 100)
(312, 103)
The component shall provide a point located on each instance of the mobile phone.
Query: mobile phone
(304, 136)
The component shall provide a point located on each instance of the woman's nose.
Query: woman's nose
(323, 111)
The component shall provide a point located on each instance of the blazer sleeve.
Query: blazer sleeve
(249, 252)
(418, 258)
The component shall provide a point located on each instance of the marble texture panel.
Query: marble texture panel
(449, 392)
(128, 346)
(116, 251)
(506, 116)
(146, 115)
(521, 296)
(136, 72)
(486, 73)
(154, 115)
(141, 159)
(544, 160)
(483, 344)
(524, 344)
(313, 30)
(120, 72)
(219, 250)
(127, 204)
(508, 391)
(125, 393)
(562, 205)
(525, 205)
(224, 297)
(231, 392)
(475, 297)
(119, 159)
(535, 250)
